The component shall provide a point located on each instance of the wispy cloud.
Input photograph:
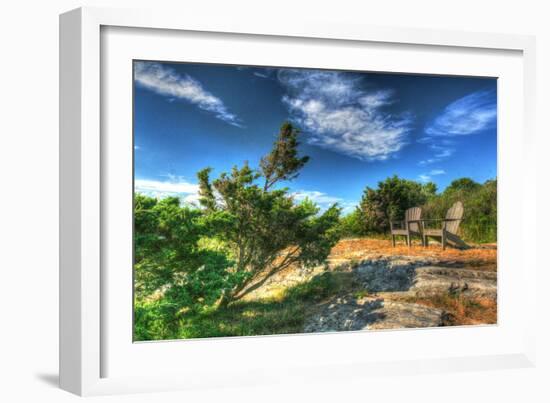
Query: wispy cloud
(323, 200)
(341, 116)
(428, 161)
(166, 81)
(466, 116)
(174, 187)
(424, 178)
(427, 177)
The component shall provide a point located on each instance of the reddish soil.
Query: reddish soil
(483, 257)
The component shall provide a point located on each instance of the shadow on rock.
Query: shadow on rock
(346, 313)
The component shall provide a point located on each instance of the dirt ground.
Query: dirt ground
(482, 257)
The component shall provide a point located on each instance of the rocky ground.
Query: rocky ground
(399, 287)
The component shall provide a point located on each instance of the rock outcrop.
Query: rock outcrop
(433, 280)
(372, 313)
(388, 281)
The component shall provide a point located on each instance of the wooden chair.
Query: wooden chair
(448, 230)
(408, 227)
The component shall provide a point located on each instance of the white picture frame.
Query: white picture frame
(86, 333)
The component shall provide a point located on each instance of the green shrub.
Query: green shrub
(393, 196)
(173, 273)
(479, 224)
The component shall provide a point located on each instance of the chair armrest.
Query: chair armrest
(426, 221)
(444, 221)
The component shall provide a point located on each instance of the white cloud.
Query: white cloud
(428, 161)
(427, 177)
(166, 81)
(437, 172)
(323, 200)
(340, 116)
(175, 187)
(424, 178)
(468, 115)
(444, 153)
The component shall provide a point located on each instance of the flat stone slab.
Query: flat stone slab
(433, 280)
(346, 313)
(412, 278)
(399, 315)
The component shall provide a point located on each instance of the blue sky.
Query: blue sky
(357, 128)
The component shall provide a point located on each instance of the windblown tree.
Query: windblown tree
(260, 222)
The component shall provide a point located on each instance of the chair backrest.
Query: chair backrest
(456, 213)
(413, 214)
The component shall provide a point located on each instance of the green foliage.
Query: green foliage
(262, 226)
(317, 289)
(283, 163)
(394, 195)
(246, 318)
(388, 202)
(174, 274)
(480, 208)
(352, 224)
(154, 320)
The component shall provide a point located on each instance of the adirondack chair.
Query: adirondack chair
(408, 227)
(448, 229)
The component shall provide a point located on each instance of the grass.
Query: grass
(283, 314)
(245, 319)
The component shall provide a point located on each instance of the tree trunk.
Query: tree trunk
(224, 301)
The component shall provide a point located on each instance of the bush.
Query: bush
(393, 196)
(480, 208)
(388, 202)
(174, 274)
(351, 225)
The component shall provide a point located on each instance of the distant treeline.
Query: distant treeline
(389, 200)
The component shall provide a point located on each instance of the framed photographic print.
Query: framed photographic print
(232, 197)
